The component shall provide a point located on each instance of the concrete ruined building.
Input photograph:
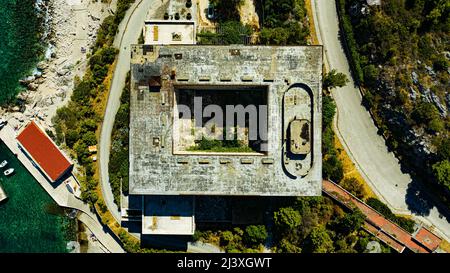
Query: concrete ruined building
(288, 162)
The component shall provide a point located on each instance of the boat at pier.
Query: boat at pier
(8, 172)
(3, 164)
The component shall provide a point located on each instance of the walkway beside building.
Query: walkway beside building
(422, 241)
(60, 194)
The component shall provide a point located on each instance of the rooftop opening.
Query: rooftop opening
(211, 119)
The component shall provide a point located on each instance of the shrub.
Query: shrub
(102, 206)
(441, 171)
(444, 149)
(350, 42)
(233, 31)
(255, 235)
(350, 222)
(328, 111)
(287, 218)
(72, 136)
(334, 79)
(198, 235)
(333, 169)
(440, 63)
(425, 112)
(89, 138)
(382, 208)
(371, 74)
(319, 241)
(354, 187)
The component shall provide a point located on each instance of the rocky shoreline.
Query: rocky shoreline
(69, 29)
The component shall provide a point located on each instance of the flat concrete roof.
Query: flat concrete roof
(160, 32)
(168, 215)
(156, 73)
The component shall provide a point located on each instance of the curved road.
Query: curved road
(358, 133)
(129, 31)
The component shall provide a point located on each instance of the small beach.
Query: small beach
(70, 28)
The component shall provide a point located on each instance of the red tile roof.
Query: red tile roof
(428, 239)
(43, 151)
(376, 219)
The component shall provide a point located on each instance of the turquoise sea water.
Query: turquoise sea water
(20, 46)
(30, 221)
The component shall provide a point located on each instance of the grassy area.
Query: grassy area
(445, 246)
(221, 146)
(350, 170)
(312, 27)
(119, 157)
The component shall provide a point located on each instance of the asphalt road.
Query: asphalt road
(129, 32)
(358, 133)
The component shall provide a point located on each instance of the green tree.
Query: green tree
(255, 235)
(226, 10)
(441, 171)
(287, 218)
(334, 79)
(380, 207)
(328, 141)
(328, 110)
(333, 169)
(289, 247)
(81, 149)
(444, 149)
(72, 136)
(440, 63)
(89, 138)
(88, 125)
(371, 74)
(82, 93)
(233, 31)
(226, 237)
(319, 241)
(425, 112)
(436, 125)
(274, 36)
(354, 187)
(350, 222)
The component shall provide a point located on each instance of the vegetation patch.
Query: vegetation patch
(399, 55)
(119, 162)
(221, 146)
(283, 22)
(405, 223)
